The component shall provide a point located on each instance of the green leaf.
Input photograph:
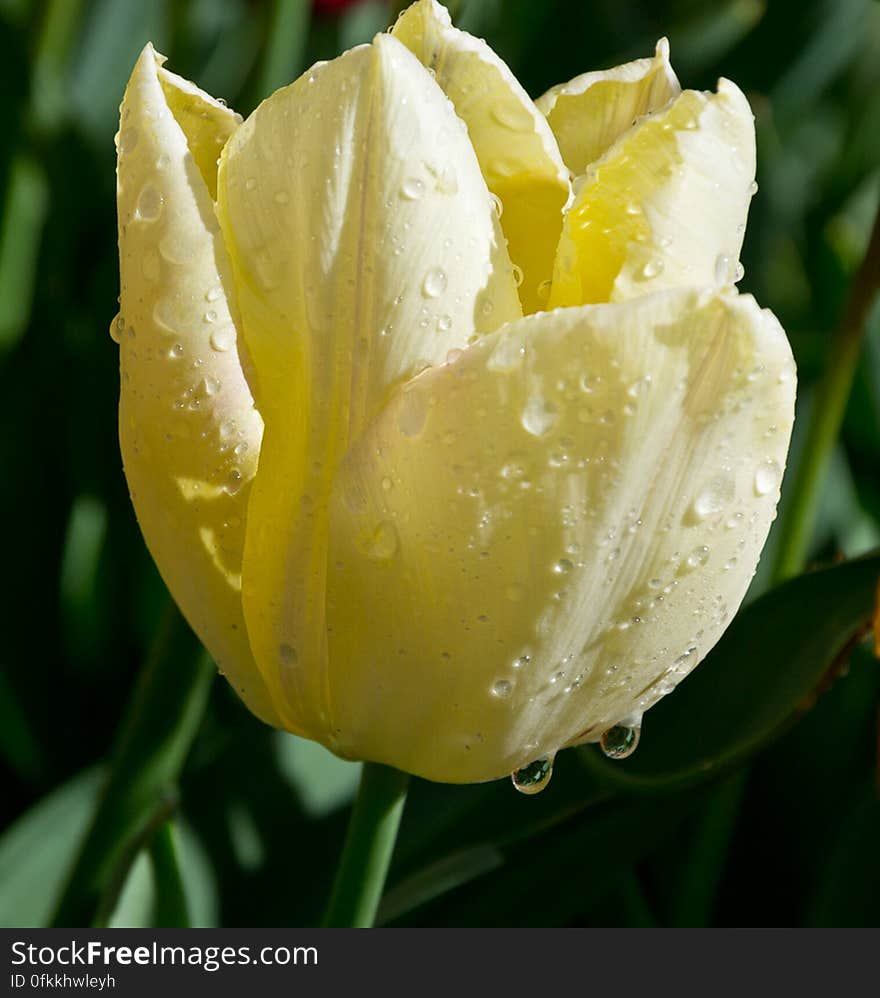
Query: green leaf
(849, 890)
(155, 737)
(761, 674)
(38, 850)
(26, 203)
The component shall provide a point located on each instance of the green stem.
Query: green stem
(172, 910)
(153, 742)
(372, 831)
(826, 417)
(285, 45)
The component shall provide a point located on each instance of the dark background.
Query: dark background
(790, 840)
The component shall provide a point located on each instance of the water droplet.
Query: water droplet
(412, 189)
(287, 654)
(543, 291)
(150, 265)
(117, 328)
(240, 449)
(620, 741)
(539, 416)
(211, 386)
(651, 269)
(381, 545)
(532, 779)
(214, 293)
(725, 269)
(412, 414)
(562, 567)
(517, 275)
(176, 350)
(497, 204)
(434, 283)
(767, 477)
(149, 203)
(128, 139)
(521, 662)
(223, 339)
(444, 323)
(753, 188)
(699, 556)
(447, 181)
(714, 497)
(210, 315)
(502, 689)
(233, 482)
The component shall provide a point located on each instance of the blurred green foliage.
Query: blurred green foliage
(791, 839)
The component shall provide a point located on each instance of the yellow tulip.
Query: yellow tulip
(442, 417)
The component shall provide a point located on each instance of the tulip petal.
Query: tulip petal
(365, 247)
(589, 113)
(516, 149)
(666, 206)
(567, 533)
(189, 433)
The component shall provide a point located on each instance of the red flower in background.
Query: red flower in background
(333, 6)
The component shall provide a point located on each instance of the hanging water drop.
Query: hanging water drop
(532, 779)
(117, 328)
(620, 741)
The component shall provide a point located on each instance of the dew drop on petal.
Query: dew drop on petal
(149, 203)
(714, 497)
(434, 283)
(117, 328)
(620, 741)
(223, 339)
(767, 477)
(381, 545)
(502, 689)
(539, 416)
(287, 655)
(534, 777)
(412, 189)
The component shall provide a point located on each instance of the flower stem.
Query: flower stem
(153, 742)
(826, 417)
(369, 844)
(172, 910)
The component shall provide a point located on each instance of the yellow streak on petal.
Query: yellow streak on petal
(589, 113)
(514, 145)
(665, 206)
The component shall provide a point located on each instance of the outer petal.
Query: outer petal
(589, 113)
(189, 433)
(494, 596)
(665, 206)
(366, 248)
(516, 149)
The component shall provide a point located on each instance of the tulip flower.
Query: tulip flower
(442, 416)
